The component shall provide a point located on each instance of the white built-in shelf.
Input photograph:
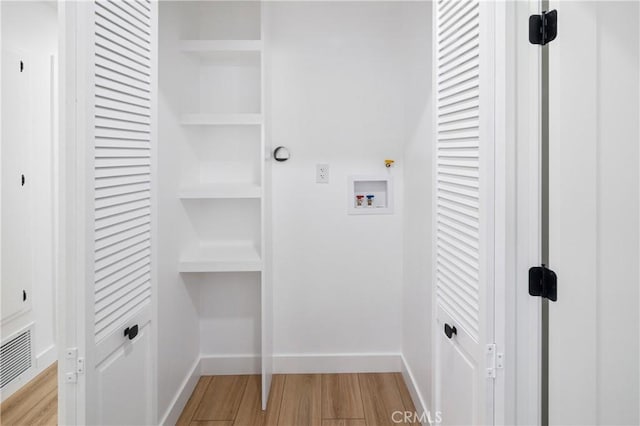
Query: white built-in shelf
(231, 257)
(212, 46)
(221, 190)
(220, 119)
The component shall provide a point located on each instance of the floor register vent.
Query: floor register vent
(15, 357)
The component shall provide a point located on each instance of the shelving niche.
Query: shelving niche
(216, 136)
(221, 186)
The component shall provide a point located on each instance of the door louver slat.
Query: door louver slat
(458, 162)
(122, 129)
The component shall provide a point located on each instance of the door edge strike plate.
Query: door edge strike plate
(543, 28)
(543, 282)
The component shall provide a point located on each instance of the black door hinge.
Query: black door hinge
(543, 28)
(543, 282)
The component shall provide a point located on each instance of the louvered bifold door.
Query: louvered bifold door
(121, 118)
(463, 209)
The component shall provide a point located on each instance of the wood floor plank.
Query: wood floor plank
(19, 405)
(250, 412)
(301, 400)
(42, 411)
(341, 397)
(404, 392)
(275, 400)
(222, 398)
(406, 398)
(212, 423)
(194, 401)
(381, 397)
(53, 419)
(53, 415)
(344, 422)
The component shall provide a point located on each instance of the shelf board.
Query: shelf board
(220, 119)
(216, 46)
(231, 257)
(221, 191)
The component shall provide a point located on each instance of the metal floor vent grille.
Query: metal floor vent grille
(15, 357)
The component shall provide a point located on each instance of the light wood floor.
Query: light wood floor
(298, 400)
(36, 403)
(295, 400)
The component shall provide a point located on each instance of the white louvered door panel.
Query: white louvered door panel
(463, 210)
(120, 118)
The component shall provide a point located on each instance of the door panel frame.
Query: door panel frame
(497, 231)
(593, 221)
(522, 321)
(517, 214)
(74, 242)
(523, 313)
(70, 242)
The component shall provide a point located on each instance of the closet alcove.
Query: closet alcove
(213, 184)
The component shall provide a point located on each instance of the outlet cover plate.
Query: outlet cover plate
(322, 173)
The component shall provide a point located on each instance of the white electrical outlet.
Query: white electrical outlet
(322, 173)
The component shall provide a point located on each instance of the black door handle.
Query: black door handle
(450, 330)
(131, 332)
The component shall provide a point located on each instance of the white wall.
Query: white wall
(418, 179)
(339, 95)
(31, 27)
(177, 322)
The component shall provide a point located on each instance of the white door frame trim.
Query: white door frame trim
(69, 242)
(517, 214)
(503, 222)
(524, 212)
(517, 388)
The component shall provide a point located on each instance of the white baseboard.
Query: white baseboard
(416, 395)
(211, 365)
(302, 363)
(336, 363)
(45, 358)
(182, 396)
